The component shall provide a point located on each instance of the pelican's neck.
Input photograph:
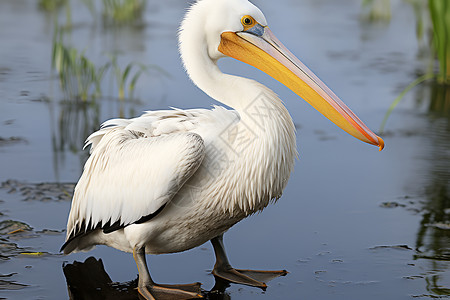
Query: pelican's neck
(233, 91)
(200, 63)
(198, 48)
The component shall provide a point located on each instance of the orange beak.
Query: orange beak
(257, 46)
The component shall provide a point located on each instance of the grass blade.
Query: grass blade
(402, 94)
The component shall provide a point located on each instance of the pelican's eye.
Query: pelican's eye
(248, 22)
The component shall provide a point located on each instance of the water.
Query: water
(353, 223)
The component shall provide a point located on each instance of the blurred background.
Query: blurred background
(353, 223)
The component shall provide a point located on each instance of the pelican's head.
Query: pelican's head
(238, 29)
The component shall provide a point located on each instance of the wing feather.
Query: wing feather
(130, 175)
(137, 165)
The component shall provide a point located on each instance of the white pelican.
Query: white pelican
(171, 180)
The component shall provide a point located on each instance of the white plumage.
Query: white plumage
(136, 166)
(171, 180)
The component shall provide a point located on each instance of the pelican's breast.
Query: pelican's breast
(243, 170)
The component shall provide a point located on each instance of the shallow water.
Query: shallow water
(353, 223)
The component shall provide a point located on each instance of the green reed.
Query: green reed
(81, 79)
(122, 75)
(439, 15)
(51, 5)
(376, 10)
(78, 76)
(126, 78)
(123, 11)
(440, 18)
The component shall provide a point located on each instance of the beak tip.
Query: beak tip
(380, 143)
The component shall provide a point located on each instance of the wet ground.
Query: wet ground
(353, 223)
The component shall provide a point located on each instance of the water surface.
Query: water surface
(353, 223)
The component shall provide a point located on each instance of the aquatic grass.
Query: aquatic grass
(123, 11)
(113, 12)
(51, 5)
(78, 76)
(121, 76)
(130, 74)
(439, 103)
(376, 10)
(439, 13)
(440, 18)
(400, 97)
(81, 79)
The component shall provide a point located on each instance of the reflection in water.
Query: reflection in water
(433, 237)
(71, 124)
(89, 280)
(440, 99)
(73, 121)
(76, 121)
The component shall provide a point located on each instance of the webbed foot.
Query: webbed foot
(254, 278)
(224, 270)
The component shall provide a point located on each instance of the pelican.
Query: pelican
(171, 180)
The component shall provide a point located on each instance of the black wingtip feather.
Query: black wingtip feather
(107, 227)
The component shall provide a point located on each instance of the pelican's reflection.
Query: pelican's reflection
(89, 280)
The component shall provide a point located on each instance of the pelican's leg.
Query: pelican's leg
(224, 270)
(152, 291)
